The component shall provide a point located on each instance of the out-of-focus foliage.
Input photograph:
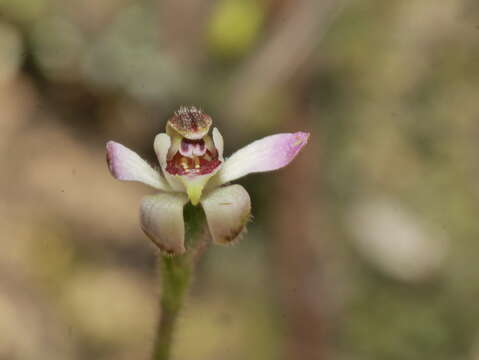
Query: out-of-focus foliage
(388, 216)
(234, 25)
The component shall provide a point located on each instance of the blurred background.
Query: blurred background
(366, 247)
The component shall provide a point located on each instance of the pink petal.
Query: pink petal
(227, 211)
(270, 153)
(125, 164)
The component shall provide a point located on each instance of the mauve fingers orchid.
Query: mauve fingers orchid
(193, 169)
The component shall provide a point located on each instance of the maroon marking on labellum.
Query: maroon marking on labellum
(192, 148)
(197, 165)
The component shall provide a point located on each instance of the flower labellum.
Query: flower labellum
(193, 169)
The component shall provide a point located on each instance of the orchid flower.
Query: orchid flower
(193, 169)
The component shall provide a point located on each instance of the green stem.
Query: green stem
(176, 273)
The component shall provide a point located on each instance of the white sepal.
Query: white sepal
(161, 218)
(227, 212)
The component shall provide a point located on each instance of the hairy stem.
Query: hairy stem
(176, 273)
